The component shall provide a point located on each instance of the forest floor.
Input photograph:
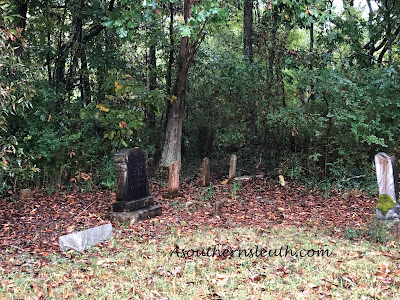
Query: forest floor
(34, 225)
(140, 262)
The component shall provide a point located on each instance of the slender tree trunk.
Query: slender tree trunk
(22, 10)
(152, 68)
(79, 50)
(48, 62)
(150, 115)
(370, 35)
(389, 31)
(172, 145)
(171, 50)
(168, 78)
(59, 65)
(248, 30)
(271, 51)
(248, 55)
(85, 81)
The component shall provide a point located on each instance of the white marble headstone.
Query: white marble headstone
(386, 175)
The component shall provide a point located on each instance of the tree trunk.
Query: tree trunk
(271, 50)
(171, 50)
(152, 68)
(22, 11)
(172, 145)
(48, 62)
(85, 81)
(248, 30)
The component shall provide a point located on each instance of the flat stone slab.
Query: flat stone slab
(82, 240)
(126, 206)
(172, 195)
(137, 215)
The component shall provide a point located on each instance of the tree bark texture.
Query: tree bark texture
(172, 145)
(248, 30)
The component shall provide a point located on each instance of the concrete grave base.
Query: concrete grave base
(126, 206)
(82, 240)
(390, 227)
(135, 216)
(392, 214)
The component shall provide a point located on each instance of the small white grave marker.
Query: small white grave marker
(83, 240)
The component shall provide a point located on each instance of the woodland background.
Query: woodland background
(304, 88)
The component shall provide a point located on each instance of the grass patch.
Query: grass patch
(130, 267)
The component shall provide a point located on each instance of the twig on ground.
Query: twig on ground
(86, 208)
(355, 177)
(16, 247)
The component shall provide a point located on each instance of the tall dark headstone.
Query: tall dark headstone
(133, 200)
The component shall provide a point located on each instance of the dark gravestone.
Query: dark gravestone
(133, 200)
(132, 184)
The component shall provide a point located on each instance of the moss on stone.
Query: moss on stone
(385, 203)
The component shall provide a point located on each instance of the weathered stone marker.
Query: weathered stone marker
(387, 177)
(232, 167)
(133, 200)
(173, 181)
(217, 209)
(205, 172)
(82, 240)
(25, 194)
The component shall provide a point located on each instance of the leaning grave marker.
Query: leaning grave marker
(85, 239)
(388, 182)
(133, 200)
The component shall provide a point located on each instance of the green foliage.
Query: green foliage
(209, 194)
(235, 188)
(385, 203)
(15, 95)
(122, 115)
(378, 231)
(350, 234)
(203, 12)
(355, 234)
(81, 88)
(107, 173)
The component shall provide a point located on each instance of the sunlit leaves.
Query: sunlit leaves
(102, 107)
(117, 86)
(185, 31)
(204, 12)
(123, 114)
